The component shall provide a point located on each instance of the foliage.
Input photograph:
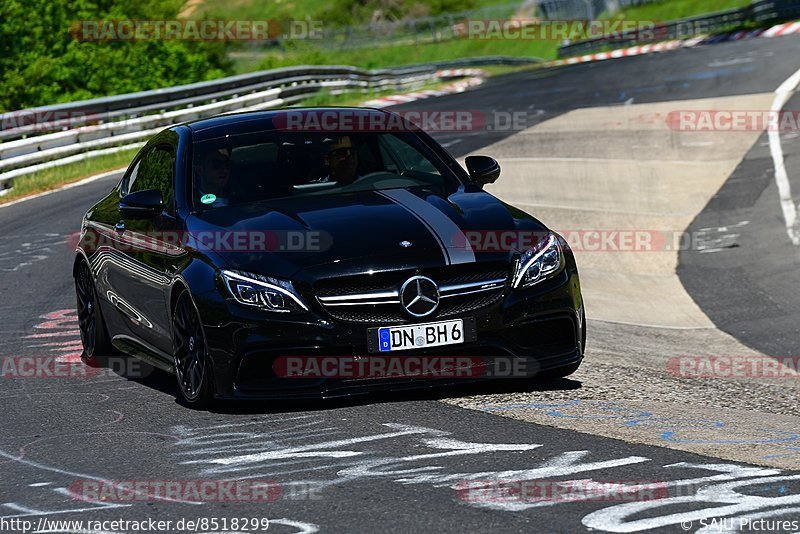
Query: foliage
(336, 12)
(42, 62)
(345, 12)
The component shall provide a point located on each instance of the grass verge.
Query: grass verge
(675, 9)
(312, 53)
(47, 179)
(307, 53)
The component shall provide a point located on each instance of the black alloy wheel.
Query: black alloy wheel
(190, 356)
(90, 321)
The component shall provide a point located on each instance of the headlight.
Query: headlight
(539, 263)
(263, 292)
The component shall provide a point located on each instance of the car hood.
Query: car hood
(359, 231)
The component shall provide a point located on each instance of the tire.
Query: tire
(190, 355)
(94, 337)
(583, 336)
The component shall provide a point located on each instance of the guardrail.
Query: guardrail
(760, 12)
(133, 104)
(485, 60)
(125, 121)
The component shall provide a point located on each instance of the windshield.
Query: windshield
(276, 164)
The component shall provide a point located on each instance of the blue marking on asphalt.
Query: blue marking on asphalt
(771, 456)
(671, 437)
(644, 419)
(703, 75)
(710, 74)
(764, 489)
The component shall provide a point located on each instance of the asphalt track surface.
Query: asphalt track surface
(395, 463)
(750, 285)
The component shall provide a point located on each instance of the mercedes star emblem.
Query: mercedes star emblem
(419, 295)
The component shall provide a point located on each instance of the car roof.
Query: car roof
(257, 121)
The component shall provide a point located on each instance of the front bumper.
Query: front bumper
(530, 331)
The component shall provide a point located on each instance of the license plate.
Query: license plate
(421, 336)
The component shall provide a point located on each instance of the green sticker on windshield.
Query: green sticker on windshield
(208, 199)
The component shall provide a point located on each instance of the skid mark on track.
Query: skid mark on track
(19, 459)
(414, 455)
(31, 250)
(50, 490)
(276, 453)
(57, 334)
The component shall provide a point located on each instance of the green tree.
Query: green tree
(43, 62)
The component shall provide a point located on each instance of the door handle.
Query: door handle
(120, 227)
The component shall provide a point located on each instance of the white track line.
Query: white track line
(782, 96)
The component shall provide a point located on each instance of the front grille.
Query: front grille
(466, 305)
(375, 298)
(348, 285)
(367, 316)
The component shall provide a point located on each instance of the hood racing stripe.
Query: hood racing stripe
(444, 230)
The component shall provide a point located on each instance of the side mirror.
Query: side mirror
(483, 169)
(144, 204)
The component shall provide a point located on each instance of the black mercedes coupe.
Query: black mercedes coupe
(241, 251)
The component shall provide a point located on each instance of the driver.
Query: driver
(213, 177)
(341, 161)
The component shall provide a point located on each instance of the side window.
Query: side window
(130, 179)
(155, 171)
